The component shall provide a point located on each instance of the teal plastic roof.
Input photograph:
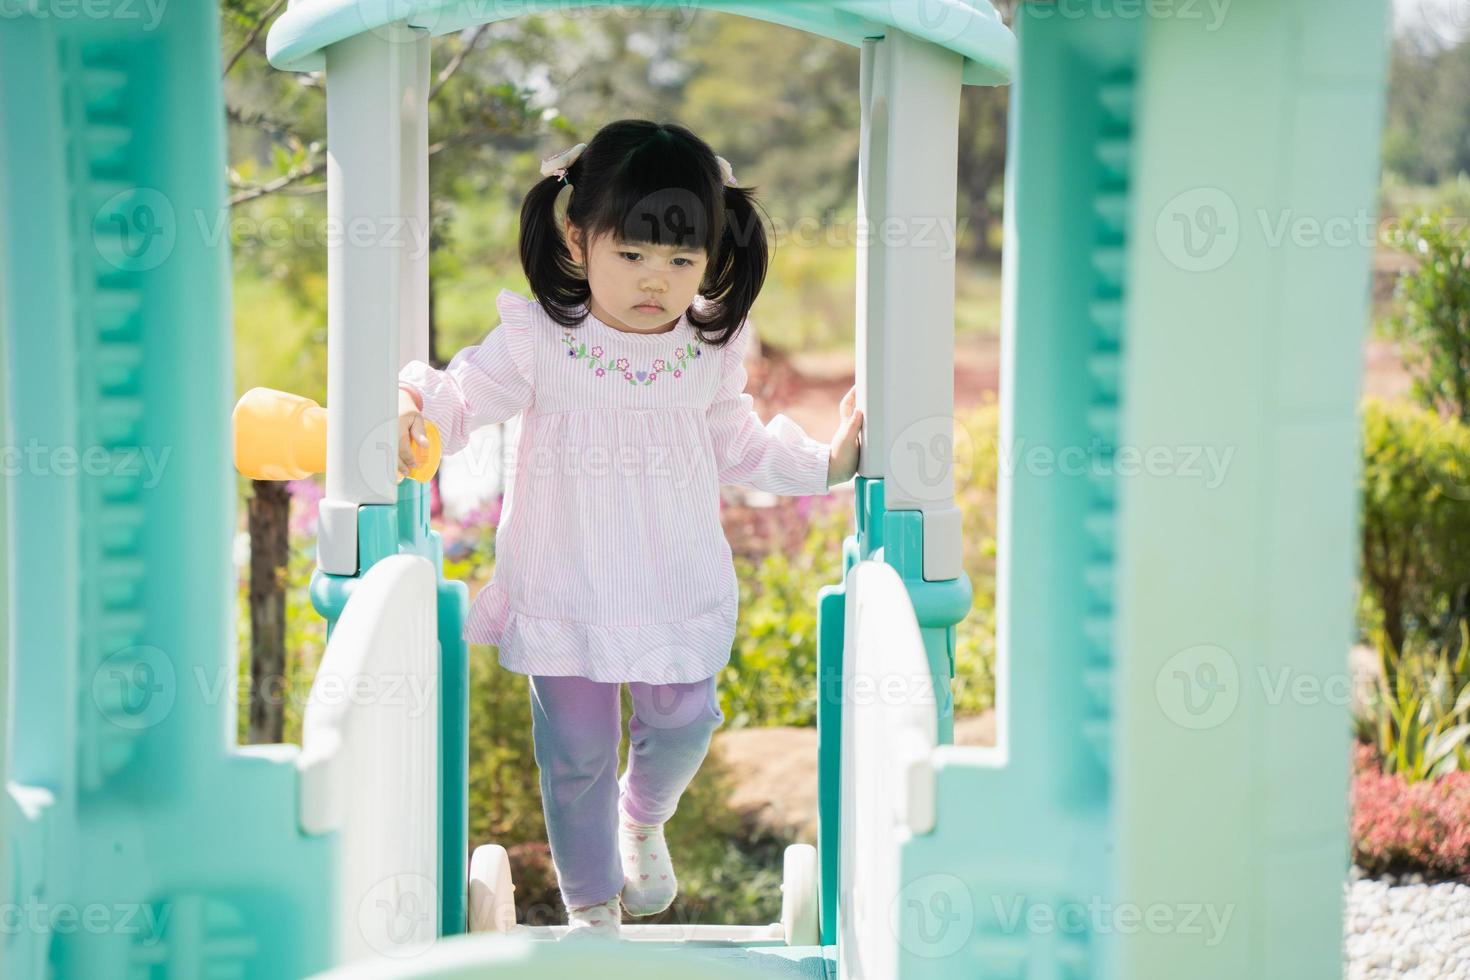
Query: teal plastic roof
(970, 27)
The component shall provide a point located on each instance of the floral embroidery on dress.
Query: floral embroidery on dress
(621, 367)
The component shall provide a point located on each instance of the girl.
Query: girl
(612, 566)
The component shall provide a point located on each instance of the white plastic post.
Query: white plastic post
(887, 782)
(907, 167)
(369, 763)
(377, 267)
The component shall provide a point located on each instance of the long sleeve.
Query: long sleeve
(488, 382)
(777, 457)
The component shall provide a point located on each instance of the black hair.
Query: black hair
(657, 184)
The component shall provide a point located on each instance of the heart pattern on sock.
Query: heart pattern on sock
(649, 885)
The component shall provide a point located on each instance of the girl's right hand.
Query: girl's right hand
(411, 433)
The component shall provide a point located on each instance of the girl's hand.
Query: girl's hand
(411, 432)
(842, 459)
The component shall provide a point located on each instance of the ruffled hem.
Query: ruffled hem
(657, 653)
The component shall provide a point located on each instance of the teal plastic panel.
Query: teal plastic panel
(163, 843)
(970, 27)
(1235, 574)
(1156, 806)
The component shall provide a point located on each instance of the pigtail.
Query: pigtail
(643, 181)
(737, 269)
(555, 280)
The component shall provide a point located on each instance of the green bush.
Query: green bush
(771, 678)
(1415, 534)
(1415, 572)
(1431, 323)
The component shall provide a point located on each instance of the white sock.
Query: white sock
(649, 884)
(604, 918)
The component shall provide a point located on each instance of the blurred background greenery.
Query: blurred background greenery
(781, 106)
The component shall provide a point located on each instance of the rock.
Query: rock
(773, 774)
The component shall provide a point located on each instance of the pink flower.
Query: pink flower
(600, 372)
(678, 373)
(305, 495)
(621, 364)
(597, 352)
(658, 364)
(628, 375)
(679, 353)
(652, 375)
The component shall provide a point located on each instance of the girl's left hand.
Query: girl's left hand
(842, 459)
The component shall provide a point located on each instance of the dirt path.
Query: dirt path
(817, 382)
(808, 387)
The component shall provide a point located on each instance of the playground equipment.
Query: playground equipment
(1144, 783)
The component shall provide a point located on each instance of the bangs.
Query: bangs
(653, 202)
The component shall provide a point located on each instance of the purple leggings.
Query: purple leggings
(576, 725)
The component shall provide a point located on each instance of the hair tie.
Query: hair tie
(558, 164)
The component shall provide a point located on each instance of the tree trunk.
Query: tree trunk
(270, 549)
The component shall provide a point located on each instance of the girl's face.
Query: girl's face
(624, 276)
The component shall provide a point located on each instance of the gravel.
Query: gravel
(1405, 928)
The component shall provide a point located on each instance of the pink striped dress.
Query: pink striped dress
(611, 562)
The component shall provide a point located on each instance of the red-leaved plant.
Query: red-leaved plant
(1400, 826)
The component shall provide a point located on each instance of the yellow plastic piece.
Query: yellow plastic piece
(281, 436)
